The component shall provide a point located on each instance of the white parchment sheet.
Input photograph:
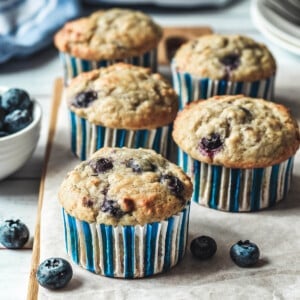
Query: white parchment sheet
(276, 231)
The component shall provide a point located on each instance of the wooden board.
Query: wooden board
(56, 99)
(173, 37)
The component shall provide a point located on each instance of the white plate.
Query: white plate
(278, 25)
(279, 31)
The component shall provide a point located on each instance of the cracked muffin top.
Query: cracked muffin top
(122, 186)
(123, 96)
(237, 132)
(109, 34)
(229, 57)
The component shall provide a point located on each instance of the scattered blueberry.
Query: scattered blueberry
(244, 254)
(113, 208)
(140, 166)
(84, 99)
(232, 61)
(101, 165)
(54, 273)
(210, 145)
(174, 184)
(203, 247)
(14, 99)
(13, 234)
(17, 120)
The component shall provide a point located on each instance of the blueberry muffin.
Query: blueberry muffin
(223, 64)
(105, 37)
(121, 105)
(126, 212)
(238, 150)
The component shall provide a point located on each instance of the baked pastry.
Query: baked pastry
(126, 212)
(238, 150)
(106, 37)
(223, 64)
(121, 105)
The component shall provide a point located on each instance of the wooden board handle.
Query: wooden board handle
(173, 37)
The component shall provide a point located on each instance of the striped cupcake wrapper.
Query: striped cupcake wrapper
(86, 138)
(73, 66)
(190, 88)
(237, 190)
(127, 251)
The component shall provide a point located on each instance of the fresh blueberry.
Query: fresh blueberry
(231, 61)
(113, 208)
(84, 99)
(101, 165)
(174, 184)
(210, 145)
(16, 99)
(203, 247)
(244, 254)
(54, 273)
(140, 166)
(2, 116)
(17, 120)
(13, 234)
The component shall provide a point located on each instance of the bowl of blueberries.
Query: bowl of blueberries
(20, 119)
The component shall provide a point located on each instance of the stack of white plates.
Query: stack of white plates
(275, 27)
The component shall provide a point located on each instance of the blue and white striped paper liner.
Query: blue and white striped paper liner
(237, 190)
(127, 251)
(190, 88)
(86, 138)
(73, 66)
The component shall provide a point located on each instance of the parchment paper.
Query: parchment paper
(276, 231)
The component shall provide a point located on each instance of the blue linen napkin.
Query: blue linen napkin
(27, 26)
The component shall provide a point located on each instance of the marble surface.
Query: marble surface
(19, 192)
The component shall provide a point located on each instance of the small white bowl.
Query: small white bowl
(17, 148)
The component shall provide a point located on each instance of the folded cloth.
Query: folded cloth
(163, 3)
(27, 26)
